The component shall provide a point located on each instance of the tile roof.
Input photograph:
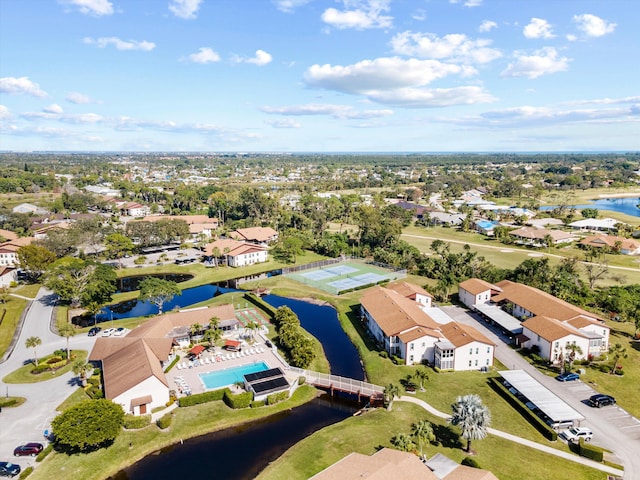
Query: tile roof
(610, 241)
(408, 290)
(538, 302)
(416, 333)
(541, 233)
(549, 328)
(256, 234)
(475, 286)
(8, 234)
(393, 312)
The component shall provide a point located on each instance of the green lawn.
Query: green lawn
(374, 429)
(24, 375)
(10, 312)
(28, 290)
(133, 445)
(76, 397)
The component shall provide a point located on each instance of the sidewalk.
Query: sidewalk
(522, 441)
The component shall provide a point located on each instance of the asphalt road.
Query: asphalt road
(613, 427)
(27, 422)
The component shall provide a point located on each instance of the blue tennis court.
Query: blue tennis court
(340, 270)
(317, 275)
(366, 278)
(345, 284)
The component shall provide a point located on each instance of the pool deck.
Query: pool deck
(191, 377)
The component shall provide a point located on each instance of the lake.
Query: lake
(627, 205)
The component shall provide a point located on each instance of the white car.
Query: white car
(108, 332)
(119, 332)
(574, 434)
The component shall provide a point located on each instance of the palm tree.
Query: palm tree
(67, 331)
(472, 416)
(403, 442)
(421, 376)
(34, 342)
(423, 431)
(391, 391)
(82, 369)
(573, 350)
(252, 327)
(618, 352)
(195, 329)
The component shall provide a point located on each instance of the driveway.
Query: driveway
(27, 422)
(613, 427)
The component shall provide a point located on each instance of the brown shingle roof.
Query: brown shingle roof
(549, 328)
(395, 313)
(416, 333)
(461, 335)
(475, 286)
(469, 473)
(408, 290)
(255, 234)
(610, 241)
(538, 302)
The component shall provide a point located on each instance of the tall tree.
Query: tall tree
(472, 416)
(423, 432)
(421, 375)
(618, 352)
(596, 265)
(391, 391)
(34, 342)
(571, 357)
(67, 331)
(82, 369)
(158, 291)
(403, 442)
(35, 259)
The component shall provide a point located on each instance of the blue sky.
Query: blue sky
(320, 75)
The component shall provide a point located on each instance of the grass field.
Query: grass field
(24, 375)
(10, 312)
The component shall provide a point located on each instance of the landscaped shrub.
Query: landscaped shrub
(172, 364)
(397, 360)
(54, 359)
(257, 404)
(277, 397)
(43, 367)
(133, 422)
(164, 421)
(604, 368)
(470, 462)
(383, 354)
(43, 454)
(591, 451)
(95, 381)
(197, 399)
(26, 472)
(240, 400)
(8, 403)
(301, 380)
(548, 432)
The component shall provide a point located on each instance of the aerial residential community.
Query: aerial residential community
(319, 239)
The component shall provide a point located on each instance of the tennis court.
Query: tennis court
(347, 275)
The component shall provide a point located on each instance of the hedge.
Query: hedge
(591, 451)
(8, 403)
(277, 397)
(26, 472)
(257, 403)
(164, 421)
(241, 400)
(470, 462)
(172, 364)
(548, 432)
(197, 399)
(133, 422)
(261, 304)
(43, 454)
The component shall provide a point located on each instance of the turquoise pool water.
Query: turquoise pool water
(229, 376)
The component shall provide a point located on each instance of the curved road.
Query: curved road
(27, 422)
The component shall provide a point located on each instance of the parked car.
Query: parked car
(574, 434)
(119, 332)
(567, 377)
(601, 400)
(32, 449)
(8, 469)
(93, 331)
(108, 332)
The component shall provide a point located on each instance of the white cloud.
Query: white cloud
(364, 14)
(77, 98)
(204, 55)
(91, 7)
(571, 37)
(4, 112)
(542, 62)
(284, 123)
(455, 46)
(103, 42)
(593, 26)
(21, 85)
(53, 108)
(419, 15)
(430, 98)
(538, 28)
(288, 6)
(487, 26)
(186, 9)
(261, 58)
(604, 101)
(468, 3)
(381, 74)
(335, 111)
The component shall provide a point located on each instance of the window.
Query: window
(469, 362)
(476, 363)
(422, 344)
(411, 346)
(487, 362)
(470, 352)
(477, 350)
(411, 358)
(488, 351)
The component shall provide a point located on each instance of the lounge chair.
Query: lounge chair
(178, 366)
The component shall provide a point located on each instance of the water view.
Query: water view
(627, 205)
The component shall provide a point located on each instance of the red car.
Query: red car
(32, 449)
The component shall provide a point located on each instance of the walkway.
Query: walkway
(522, 441)
(342, 384)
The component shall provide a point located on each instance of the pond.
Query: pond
(130, 283)
(627, 205)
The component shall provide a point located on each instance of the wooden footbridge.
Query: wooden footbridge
(335, 383)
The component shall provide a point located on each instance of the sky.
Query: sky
(320, 75)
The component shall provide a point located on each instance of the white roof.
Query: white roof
(552, 406)
(595, 223)
(438, 315)
(501, 317)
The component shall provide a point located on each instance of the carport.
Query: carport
(510, 325)
(554, 411)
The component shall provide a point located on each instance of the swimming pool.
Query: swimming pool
(229, 376)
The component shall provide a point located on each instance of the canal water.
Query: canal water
(242, 452)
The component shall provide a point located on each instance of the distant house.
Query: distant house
(417, 210)
(485, 227)
(134, 209)
(199, 225)
(475, 291)
(258, 235)
(537, 237)
(590, 224)
(28, 208)
(441, 218)
(409, 330)
(626, 246)
(8, 234)
(9, 251)
(237, 253)
(44, 230)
